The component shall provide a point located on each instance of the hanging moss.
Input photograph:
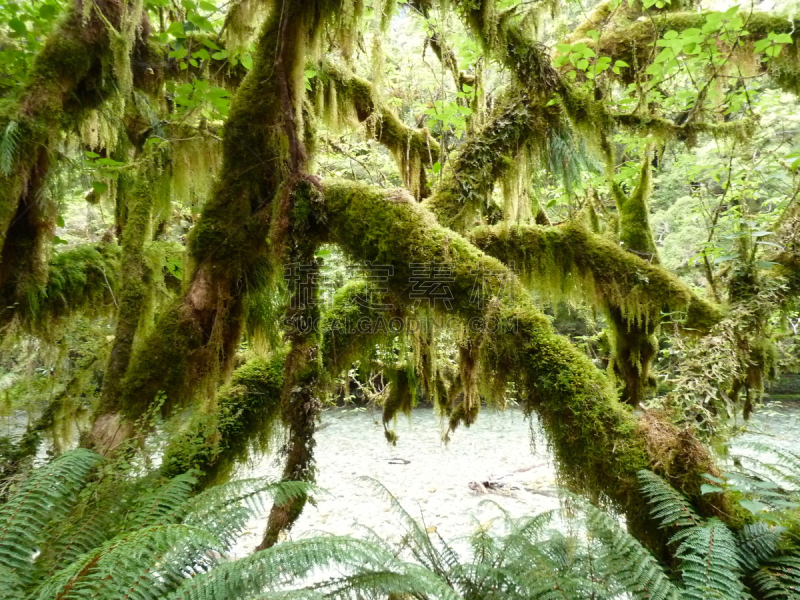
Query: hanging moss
(630, 38)
(570, 263)
(242, 423)
(84, 279)
(342, 98)
(521, 126)
(598, 443)
(136, 289)
(355, 326)
(69, 77)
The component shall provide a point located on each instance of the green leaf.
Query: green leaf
(176, 29)
(17, 25)
(60, 221)
(710, 489)
(436, 167)
(753, 506)
(99, 187)
(247, 61)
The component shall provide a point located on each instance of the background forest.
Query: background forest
(218, 219)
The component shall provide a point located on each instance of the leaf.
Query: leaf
(176, 29)
(753, 506)
(436, 167)
(710, 489)
(99, 187)
(712, 478)
(17, 25)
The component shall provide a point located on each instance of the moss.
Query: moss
(343, 98)
(243, 422)
(598, 443)
(570, 263)
(136, 289)
(521, 126)
(630, 40)
(343, 340)
(84, 279)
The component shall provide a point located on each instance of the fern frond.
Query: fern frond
(43, 499)
(285, 562)
(417, 539)
(162, 505)
(758, 542)
(709, 562)
(407, 581)
(224, 510)
(779, 580)
(771, 459)
(667, 505)
(10, 584)
(145, 564)
(630, 563)
(8, 147)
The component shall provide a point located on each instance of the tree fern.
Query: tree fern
(667, 505)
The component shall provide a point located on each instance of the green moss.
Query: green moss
(521, 125)
(242, 423)
(135, 297)
(571, 263)
(598, 443)
(84, 279)
(343, 340)
(343, 98)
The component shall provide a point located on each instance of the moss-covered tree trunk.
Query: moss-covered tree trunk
(195, 340)
(69, 77)
(135, 283)
(300, 402)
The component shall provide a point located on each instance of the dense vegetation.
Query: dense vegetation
(218, 218)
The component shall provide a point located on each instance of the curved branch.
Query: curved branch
(599, 443)
(568, 262)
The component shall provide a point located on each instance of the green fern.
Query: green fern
(626, 560)
(709, 562)
(8, 147)
(146, 564)
(667, 505)
(40, 503)
(779, 580)
(758, 542)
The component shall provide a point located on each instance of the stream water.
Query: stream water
(441, 483)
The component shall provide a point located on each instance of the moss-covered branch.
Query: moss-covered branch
(82, 279)
(630, 39)
(243, 420)
(70, 75)
(521, 125)
(342, 97)
(571, 263)
(598, 443)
